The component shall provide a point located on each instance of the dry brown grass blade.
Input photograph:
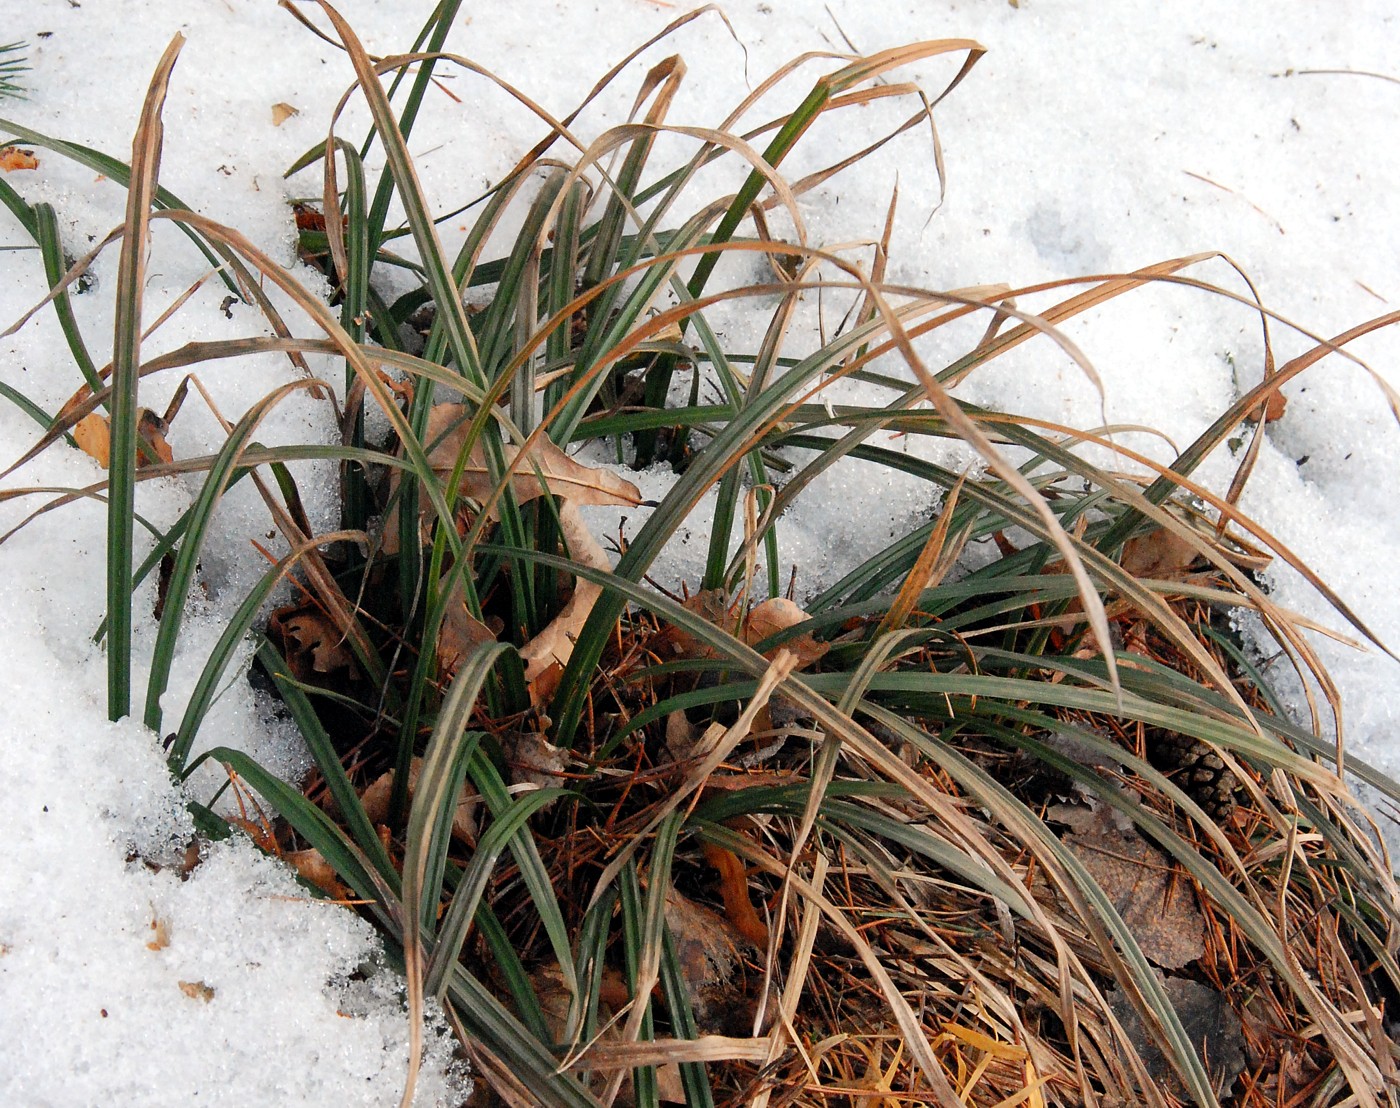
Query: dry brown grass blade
(904, 1016)
(608, 1055)
(784, 1027)
(934, 560)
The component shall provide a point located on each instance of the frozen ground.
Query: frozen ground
(1092, 138)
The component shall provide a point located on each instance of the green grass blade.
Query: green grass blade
(323, 752)
(200, 516)
(126, 363)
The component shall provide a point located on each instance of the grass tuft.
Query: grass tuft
(952, 831)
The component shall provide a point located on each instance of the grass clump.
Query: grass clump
(1031, 832)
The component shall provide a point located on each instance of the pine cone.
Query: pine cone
(1197, 770)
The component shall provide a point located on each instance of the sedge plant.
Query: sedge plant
(719, 847)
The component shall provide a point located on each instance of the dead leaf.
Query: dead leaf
(12, 158)
(734, 889)
(160, 937)
(93, 434)
(94, 438)
(1161, 555)
(708, 951)
(310, 642)
(1148, 890)
(282, 111)
(460, 633)
(197, 990)
(714, 607)
(556, 642)
(778, 614)
(670, 1089)
(533, 760)
(375, 800)
(1211, 1025)
(681, 736)
(1274, 407)
(557, 472)
(153, 429)
(311, 866)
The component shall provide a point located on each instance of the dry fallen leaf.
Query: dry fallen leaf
(12, 158)
(533, 760)
(708, 948)
(1274, 407)
(375, 800)
(557, 472)
(197, 990)
(94, 438)
(310, 642)
(460, 633)
(778, 614)
(282, 111)
(1211, 1025)
(93, 434)
(1161, 555)
(714, 607)
(312, 866)
(556, 642)
(160, 937)
(1152, 895)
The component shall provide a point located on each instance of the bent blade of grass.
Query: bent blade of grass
(313, 825)
(466, 899)
(530, 1060)
(187, 561)
(535, 877)
(428, 837)
(445, 292)
(126, 361)
(239, 626)
(628, 893)
(323, 752)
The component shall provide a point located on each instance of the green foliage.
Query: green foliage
(12, 64)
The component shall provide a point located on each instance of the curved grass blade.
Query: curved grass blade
(126, 362)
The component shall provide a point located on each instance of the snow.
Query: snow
(1091, 138)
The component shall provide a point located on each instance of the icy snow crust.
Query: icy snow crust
(1092, 138)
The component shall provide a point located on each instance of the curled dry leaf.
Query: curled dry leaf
(533, 760)
(556, 642)
(765, 619)
(1161, 555)
(94, 438)
(460, 633)
(197, 990)
(1274, 407)
(12, 158)
(545, 468)
(375, 800)
(312, 867)
(714, 607)
(778, 614)
(709, 950)
(310, 642)
(93, 434)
